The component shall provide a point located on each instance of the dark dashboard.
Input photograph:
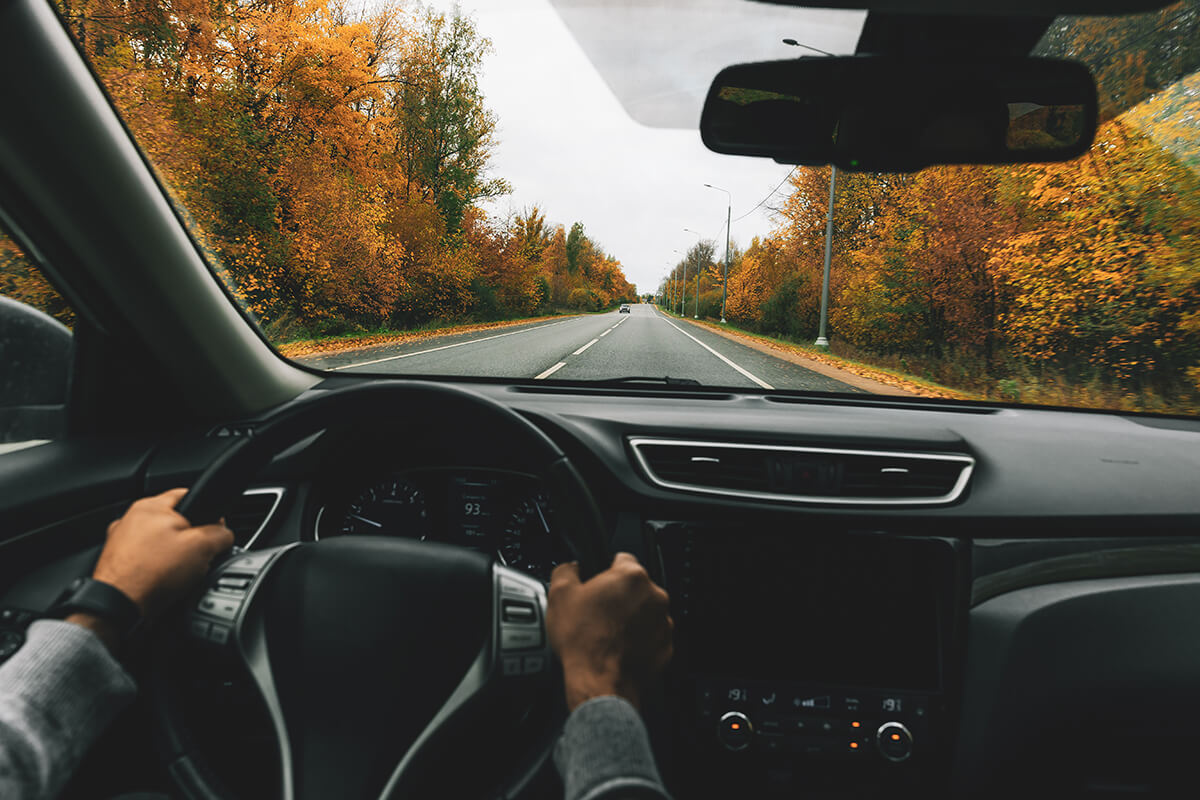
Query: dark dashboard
(826, 643)
(854, 616)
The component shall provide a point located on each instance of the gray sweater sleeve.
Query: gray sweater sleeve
(604, 752)
(57, 695)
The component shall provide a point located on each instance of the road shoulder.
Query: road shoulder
(855, 375)
(353, 344)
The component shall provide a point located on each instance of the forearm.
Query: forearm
(604, 753)
(58, 693)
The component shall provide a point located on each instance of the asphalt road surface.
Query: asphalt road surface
(644, 343)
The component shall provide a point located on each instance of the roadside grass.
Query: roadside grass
(312, 345)
(884, 374)
(970, 377)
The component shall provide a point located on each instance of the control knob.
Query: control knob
(894, 741)
(734, 730)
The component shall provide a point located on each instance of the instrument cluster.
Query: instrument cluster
(503, 513)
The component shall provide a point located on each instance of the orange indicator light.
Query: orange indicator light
(855, 724)
(895, 737)
(738, 725)
(854, 745)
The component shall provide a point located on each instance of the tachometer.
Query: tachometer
(527, 543)
(392, 507)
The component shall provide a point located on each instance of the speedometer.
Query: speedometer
(527, 543)
(392, 507)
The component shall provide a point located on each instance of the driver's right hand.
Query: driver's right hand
(612, 633)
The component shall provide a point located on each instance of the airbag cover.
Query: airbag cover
(367, 638)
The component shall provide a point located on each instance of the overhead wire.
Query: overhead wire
(769, 196)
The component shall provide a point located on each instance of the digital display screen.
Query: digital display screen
(857, 610)
(474, 512)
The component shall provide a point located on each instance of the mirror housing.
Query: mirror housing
(887, 114)
(35, 369)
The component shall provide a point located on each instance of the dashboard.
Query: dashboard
(828, 645)
(1025, 621)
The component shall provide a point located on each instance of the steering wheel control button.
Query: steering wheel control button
(894, 741)
(220, 607)
(522, 638)
(509, 586)
(250, 562)
(218, 634)
(519, 612)
(199, 628)
(234, 583)
(735, 731)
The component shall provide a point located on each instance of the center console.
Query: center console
(810, 662)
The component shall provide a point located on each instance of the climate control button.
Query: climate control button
(734, 730)
(894, 741)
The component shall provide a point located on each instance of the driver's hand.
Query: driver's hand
(155, 556)
(612, 633)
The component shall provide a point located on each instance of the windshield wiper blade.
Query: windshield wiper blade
(666, 380)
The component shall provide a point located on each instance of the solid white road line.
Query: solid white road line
(586, 346)
(550, 371)
(447, 346)
(744, 372)
(607, 332)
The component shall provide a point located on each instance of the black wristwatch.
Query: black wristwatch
(101, 599)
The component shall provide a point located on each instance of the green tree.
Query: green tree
(446, 131)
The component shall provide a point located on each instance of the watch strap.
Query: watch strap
(104, 600)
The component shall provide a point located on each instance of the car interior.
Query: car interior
(873, 595)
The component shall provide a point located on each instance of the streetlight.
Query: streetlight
(794, 43)
(728, 215)
(681, 286)
(822, 341)
(699, 238)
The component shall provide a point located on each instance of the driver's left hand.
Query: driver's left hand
(155, 557)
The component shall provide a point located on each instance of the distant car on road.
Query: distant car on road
(624, 309)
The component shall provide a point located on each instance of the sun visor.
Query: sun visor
(658, 57)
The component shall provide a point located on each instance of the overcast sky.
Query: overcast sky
(568, 144)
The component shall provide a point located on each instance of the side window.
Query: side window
(36, 347)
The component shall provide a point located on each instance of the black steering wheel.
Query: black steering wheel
(372, 654)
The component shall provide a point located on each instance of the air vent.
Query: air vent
(248, 519)
(805, 474)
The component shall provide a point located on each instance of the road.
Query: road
(644, 342)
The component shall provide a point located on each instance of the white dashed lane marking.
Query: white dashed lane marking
(550, 371)
(562, 364)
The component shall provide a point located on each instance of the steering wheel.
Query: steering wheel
(371, 654)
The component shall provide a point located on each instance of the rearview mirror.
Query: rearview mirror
(886, 114)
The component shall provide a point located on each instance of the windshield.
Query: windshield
(518, 190)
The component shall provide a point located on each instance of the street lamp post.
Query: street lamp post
(681, 285)
(725, 281)
(822, 340)
(699, 239)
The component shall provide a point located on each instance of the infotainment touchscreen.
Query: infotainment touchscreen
(851, 610)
